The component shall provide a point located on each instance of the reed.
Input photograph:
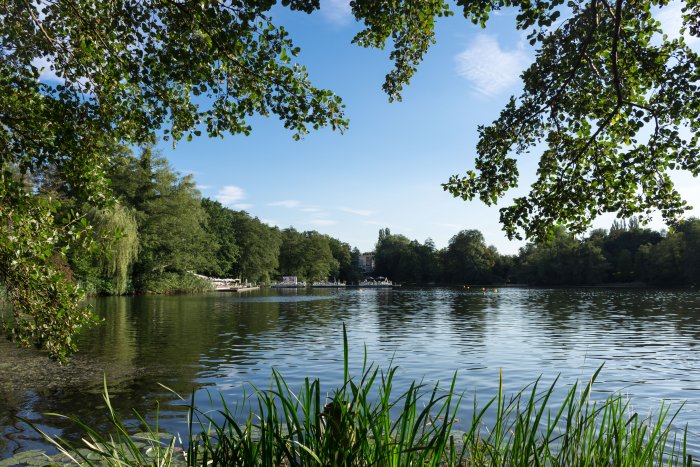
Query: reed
(119, 448)
(581, 432)
(364, 424)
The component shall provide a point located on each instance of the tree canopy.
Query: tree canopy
(613, 102)
(122, 72)
(468, 259)
(611, 98)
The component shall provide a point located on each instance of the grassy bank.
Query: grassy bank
(367, 422)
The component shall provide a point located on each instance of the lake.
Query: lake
(221, 342)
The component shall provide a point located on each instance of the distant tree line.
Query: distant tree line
(159, 230)
(627, 253)
(466, 260)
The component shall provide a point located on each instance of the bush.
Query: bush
(175, 283)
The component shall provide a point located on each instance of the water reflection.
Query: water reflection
(647, 340)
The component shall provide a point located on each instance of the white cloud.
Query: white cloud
(489, 68)
(242, 206)
(381, 224)
(203, 187)
(311, 209)
(359, 212)
(287, 203)
(671, 20)
(337, 11)
(322, 222)
(230, 194)
(270, 222)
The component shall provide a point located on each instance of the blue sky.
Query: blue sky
(386, 170)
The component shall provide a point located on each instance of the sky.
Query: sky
(386, 170)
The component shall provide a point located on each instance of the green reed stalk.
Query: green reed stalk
(363, 424)
(120, 448)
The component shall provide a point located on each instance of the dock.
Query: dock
(228, 285)
(237, 288)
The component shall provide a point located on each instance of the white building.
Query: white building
(366, 262)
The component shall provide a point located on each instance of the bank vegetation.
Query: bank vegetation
(366, 422)
(159, 230)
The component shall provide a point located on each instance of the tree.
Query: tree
(394, 257)
(665, 260)
(355, 272)
(562, 260)
(116, 233)
(102, 264)
(260, 248)
(674, 261)
(613, 102)
(319, 261)
(308, 255)
(504, 268)
(221, 225)
(291, 258)
(172, 222)
(348, 267)
(691, 255)
(468, 260)
(622, 246)
(124, 72)
(429, 261)
(33, 271)
(172, 235)
(591, 264)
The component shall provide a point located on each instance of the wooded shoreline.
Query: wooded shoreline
(166, 229)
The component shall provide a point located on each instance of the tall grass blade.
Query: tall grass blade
(362, 423)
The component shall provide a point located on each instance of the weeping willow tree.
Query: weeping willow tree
(116, 231)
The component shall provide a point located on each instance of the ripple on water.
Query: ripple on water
(647, 341)
(281, 299)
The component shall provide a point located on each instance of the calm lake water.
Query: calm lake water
(220, 342)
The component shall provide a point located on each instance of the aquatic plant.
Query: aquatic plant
(362, 423)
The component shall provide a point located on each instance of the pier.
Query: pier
(228, 285)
